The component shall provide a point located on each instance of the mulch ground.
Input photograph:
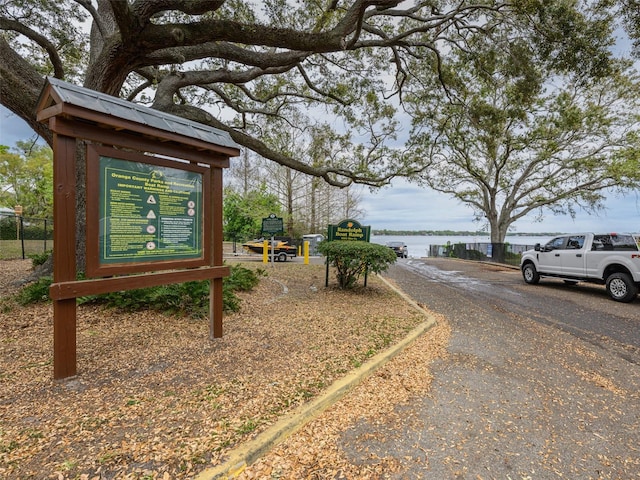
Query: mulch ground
(154, 398)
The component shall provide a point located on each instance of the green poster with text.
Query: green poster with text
(149, 212)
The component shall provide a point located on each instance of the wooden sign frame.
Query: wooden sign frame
(104, 124)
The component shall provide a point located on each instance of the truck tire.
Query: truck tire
(621, 288)
(530, 274)
(282, 257)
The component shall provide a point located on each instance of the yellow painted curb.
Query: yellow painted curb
(249, 452)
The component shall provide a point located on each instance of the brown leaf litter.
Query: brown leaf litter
(154, 398)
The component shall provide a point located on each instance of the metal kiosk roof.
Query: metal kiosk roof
(143, 126)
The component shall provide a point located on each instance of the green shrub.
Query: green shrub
(189, 298)
(34, 292)
(512, 258)
(32, 228)
(8, 228)
(39, 258)
(352, 258)
(460, 250)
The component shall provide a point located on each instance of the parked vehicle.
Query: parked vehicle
(400, 248)
(610, 259)
(281, 249)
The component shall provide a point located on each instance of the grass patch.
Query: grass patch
(12, 249)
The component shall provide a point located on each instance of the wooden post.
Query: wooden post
(18, 211)
(215, 284)
(64, 255)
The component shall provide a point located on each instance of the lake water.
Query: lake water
(418, 245)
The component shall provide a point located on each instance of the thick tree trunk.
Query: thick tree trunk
(498, 252)
(498, 234)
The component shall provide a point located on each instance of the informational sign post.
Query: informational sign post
(147, 212)
(153, 198)
(347, 230)
(270, 226)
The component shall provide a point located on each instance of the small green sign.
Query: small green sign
(148, 212)
(349, 230)
(272, 225)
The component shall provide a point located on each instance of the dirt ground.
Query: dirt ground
(154, 398)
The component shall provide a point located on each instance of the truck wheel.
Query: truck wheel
(530, 274)
(282, 257)
(620, 287)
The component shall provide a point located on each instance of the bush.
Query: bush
(189, 298)
(38, 259)
(32, 228)
(353, 258)
(460, 250)
(35, 292)
(512, 258)
(8, 228)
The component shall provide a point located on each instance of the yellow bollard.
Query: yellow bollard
(265, 251)
(306, 253)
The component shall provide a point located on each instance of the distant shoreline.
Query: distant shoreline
(456, 233)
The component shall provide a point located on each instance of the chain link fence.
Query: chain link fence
(23, 237)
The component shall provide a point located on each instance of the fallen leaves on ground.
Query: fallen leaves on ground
(314, 452)
(154, 398)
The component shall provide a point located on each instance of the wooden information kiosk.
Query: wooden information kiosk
(153, 203)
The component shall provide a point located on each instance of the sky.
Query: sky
(404, 206)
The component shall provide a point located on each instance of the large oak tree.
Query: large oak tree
(228, 63)
(512, 136)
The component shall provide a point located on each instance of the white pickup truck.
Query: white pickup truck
(610, 259)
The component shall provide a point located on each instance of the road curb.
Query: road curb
(252, 450)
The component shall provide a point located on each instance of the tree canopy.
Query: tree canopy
(231, 64)
(512, 137)
(243, 214)
(26, 178)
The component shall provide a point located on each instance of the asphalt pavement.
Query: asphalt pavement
(528, 390)
(540, 382)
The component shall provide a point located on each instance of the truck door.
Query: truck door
(572, 256)
(549, 259)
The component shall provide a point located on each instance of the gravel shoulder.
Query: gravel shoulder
(154, 398)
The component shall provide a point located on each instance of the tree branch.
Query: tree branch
(97, 20)
(20, 87)
(146, 9)
(50, 48)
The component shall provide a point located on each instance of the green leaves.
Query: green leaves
(521, 130)
(187, 299)
(352, 258)
(26, 178)
(243, 213)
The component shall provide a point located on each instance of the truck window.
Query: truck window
(555, 244)
(575, 242)
(623, 242)
(614, 242)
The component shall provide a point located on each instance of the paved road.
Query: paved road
(541, 382)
